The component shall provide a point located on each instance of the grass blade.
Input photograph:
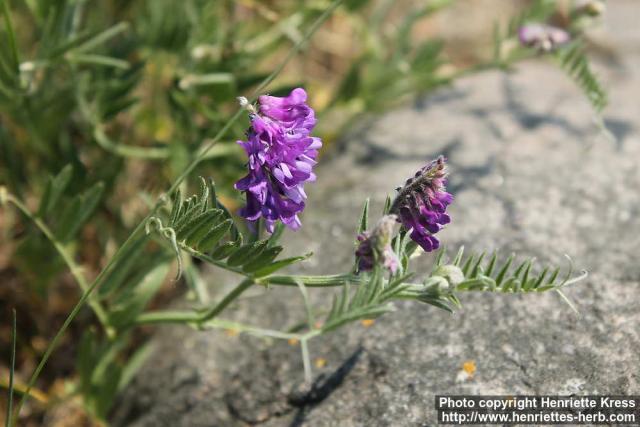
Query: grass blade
(102, 37)
(12, 369)
(10, 35)
(187, 170)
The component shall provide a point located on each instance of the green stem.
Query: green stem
(235, 293)
(208, 259)
(140, 227)
(126, 150)
(312, 281)
(12, 369)
(292, 53)
(168, 316)
(306, 361)
(241, 327)
(192, 317)
(68, 259)
(52, 346)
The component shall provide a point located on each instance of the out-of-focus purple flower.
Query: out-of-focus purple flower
(422, 203)
(281, 154)
(375, 246)
(542, 37)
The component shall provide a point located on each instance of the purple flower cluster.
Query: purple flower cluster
(375, 246)
(281, 154)
(422, 203)
(543, 37)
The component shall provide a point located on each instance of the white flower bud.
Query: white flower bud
(451, 273)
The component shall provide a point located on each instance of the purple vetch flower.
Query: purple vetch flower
(375, 246)
(422, 203)
(281, 154)
(542, 37)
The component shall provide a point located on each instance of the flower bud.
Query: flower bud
(451, 273)
(375, 246)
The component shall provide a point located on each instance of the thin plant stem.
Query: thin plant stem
(19, 388)
(194, 318)
(168, 316)
(52, 346)
(252, 330)
(568, 301)
(235, 293)
(312, 281)
(266, 82)
(140, 227)
(307, 304)
(12, 369)
(306, 361)
(74, 268)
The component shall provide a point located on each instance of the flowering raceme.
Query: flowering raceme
(281, 154)
(422, 203)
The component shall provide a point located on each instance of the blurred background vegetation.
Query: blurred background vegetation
(127, 93)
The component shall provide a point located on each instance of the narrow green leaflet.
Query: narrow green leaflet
(116, 277)
(78, 212)
(277, 265)
(54, 190)
(370, 300)
(574, 62)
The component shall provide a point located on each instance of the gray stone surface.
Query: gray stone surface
(532, 174)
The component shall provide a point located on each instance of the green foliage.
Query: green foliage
(101, 104)
(574, 62)
(203, 227)
(491, 275)
(476, 273)
(68, 213)
(363, 224)
(370, 300)
(64, 208)
(102, 373)
(571, 58)
(133, 299)
(392, 66)
(538, 11)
